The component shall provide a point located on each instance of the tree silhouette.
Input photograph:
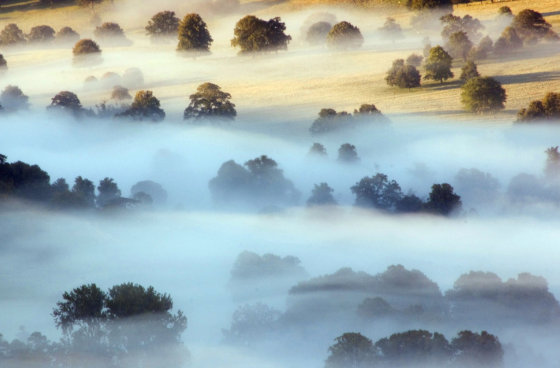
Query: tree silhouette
(144, 107)
(351, 350)
(344, 36)
(347, 153)
(321, 195)
(438, 65)
(443, 200)
(194, 37)
(210, 104)
(252, 34)
(377, 192)
(483, 95)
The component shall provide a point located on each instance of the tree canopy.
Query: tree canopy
(438, 65)
(194, 37)
(483, 95)
(210, 104)
(377, 192)
(317, 33)
(344, 36)
(351, 350)
(252, 34)
(321, 195)
(529, 23)
(144, 107)
(403, 75)
(163, 27)
(545, 110)
(458, 45)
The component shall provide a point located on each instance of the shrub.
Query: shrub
(317, 33)
(86, 52)
(41, 34)
(67, 35)
(163, 27)
(210, 103)
(11, 35)
(438, 65)
(252, 34)
(144, 107)
(13, 99)
(483, 94)
(120, 93)
(468, 71)
(194, 36)
(344, 36)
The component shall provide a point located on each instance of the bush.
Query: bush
(403, 76)
(483, 95)
(41, 34)
(163, 27)
(67, 35)
(120, 93)
(194, 36)
(252, 34)
(468, 71)
(13, 99)
(438, 65)
(344, 36)
(86, 52)
(317, 33)
(11, 35)
(144, 107)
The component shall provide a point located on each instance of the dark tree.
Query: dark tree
(530, 23)
(210, 104)
(391, 30)
(438, 65)
(483, 95)
(318, 149)
(109, 192)
(409, 204)
(317, 33)
(547, 109)
(402, 75)
(67, 35)
(120, 93)
(415, 347)
(251, 324)
(459, 45)
(352, 350)
(144, 107)
(480, 350)
(86, 52)
(13, 99)
(60, 186)
(443, 200)
(429, 4)
(24, 181)
(194, 37)
(11, 35)
(329, 120)
(345, 36)
(414, 60)
(40, 34)
(509, 40)
(163, 27)
(68, 102)
(505, 11)
(85, 190)
(347, 153)
(321, 195)
(469, 71)
(377, 192)
(252, 34)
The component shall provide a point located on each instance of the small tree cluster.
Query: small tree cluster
(252, 35)
(210, 104)
(481, 51)
(330, 120)
(531, 24)
(545, 110)
(344, 36)
(11, 35)
(429, 4)
(403, 75)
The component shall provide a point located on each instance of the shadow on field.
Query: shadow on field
(442, 87)
(24, 5)
(549, 14)
(528, 77)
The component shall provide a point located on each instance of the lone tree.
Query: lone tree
(443, 200)
(403, 76)
(352, 350)
(483, 95)
(438, 65)
(317, 33)
(469, 71)
(317, 149)
(90, 3)
(163, 27)
(67, 35)
(459, 45)
(547, 109)
(144, 107)
(321, 195)
(377, 192)
(252, 34)
(11, 35)
(86, 52)
(41, 34)
(194, 37)
(347, 153)
(391, 30)
(509, 40)
(344, 36)
(211, 104)
(530, 23)
(13, 99)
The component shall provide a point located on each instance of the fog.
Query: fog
(188, 247)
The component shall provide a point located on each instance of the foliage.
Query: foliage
(321, 195)
(251, 323)
(530, 23)
(377, 192)
(505, 11)
(403, 75)
(347, 153)
(415, 347)
(329, 120)
(84, 189)
(409, 204)
(453, 24)
(428, 4)
(483, 95)
(86, 52)
(144, 107)
(41, 34)
(438, 65)
(13, 99)
(108, 192)
(344, 36)
(547, 109)
(509, 40)
(318, 149)
(68, 102)
(459, 45)
(552, 166)
(317, 33)
(67, 35)
(163, 27)
(480, 350)
(24, 181)
(351, 350)
(391, 30)
(252, 34)
(120, 93)
(153, 189)
(414, 60)
(11, 35)
(443, 200)
(468, 71)
(210, 104)
(193, 35)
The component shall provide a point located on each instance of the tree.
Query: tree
(552, 165)
(409, 204)
(111, 34)
(317, 33)
(317, 18)
(11, 35)
(529, 23)
(252, 34)
(68, 102)
(12, 99)
(415, 347)
(403, 76)
(144, 107)
(67, 35)
(86, 52)
(468, 71)
(120, 93)
(3, 64)
(459, 45)
(391, 30)
(442, 200)
(509, 40)
(90, 3)
(329, 120)
(24, 181)
(505, 11)
(414, 60)
(85, 190)
(155, 190)
(321, 195)
(251, 323)
(453, 24)
(194, 37)
(377, 192)
(369, 112)
(163, 27)
(41, 34)
(438, 65)
(108, 192)
(376, 307)
(210, 104)
(318, 149)
(347, 153)
(547, 109)
(352, 350)
(483, 95)
(480, 350)
(344, 36)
